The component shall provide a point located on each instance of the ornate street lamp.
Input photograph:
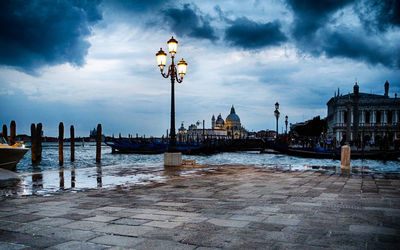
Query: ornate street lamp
(276, 112)
(286, 123)
(173, 74)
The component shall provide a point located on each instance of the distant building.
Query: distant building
(93, 133)
(182, 130)
(229, 128)
(269, 134)
(365, 118)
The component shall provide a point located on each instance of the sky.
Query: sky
(89, 62)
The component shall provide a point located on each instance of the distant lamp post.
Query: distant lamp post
(276, 112)
(173, 74)
(286, 123)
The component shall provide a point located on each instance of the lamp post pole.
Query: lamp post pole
(172, 130)
(172, 73)
(286, 123)
(276, 112)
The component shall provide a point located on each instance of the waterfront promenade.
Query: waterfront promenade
(234, 207)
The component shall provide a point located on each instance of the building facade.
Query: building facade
(364, 118)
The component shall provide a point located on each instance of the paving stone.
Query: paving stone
(170, 204)
(116, 240)
(208, 248)
(264, 209)
(77, 245)
(177, 213)
(372, 229)
(246, 218)
(51, 213)
(163, 224)
(124, 230)
(228, 223)
(85, 225)
(307, 204)
(266, 226)
(101, 218)
(152, 217)
(22, 218)
(176, 235)
(67, 234)
(111, 209)
(11, 246)
(282, 220)
(130, 222)
(36, 241)
(52, 221)
(163, 244)
(193, 219)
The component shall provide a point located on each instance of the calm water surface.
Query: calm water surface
(120, 169)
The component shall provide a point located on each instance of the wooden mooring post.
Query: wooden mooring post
(36, 143)
(61, 145)
(98, 144)
(33, 144)
(39, 129)
(345, 158)
(72, 134)
(13, 128)
(5, 134)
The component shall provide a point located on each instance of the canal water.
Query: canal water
(115, 170)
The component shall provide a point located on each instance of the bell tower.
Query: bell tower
(386, 89)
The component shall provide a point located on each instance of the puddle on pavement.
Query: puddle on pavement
(107, 177)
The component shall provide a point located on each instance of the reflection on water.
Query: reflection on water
(61, 177)
(121, 169)
(99, 177)
(72, 177)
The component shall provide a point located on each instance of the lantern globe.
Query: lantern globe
(182, 66)
(161, 58)
(276, 105)
(172, 46)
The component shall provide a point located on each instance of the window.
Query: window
(378, 116)
(367, 116)
(389, 116)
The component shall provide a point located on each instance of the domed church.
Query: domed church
(220, 128)
(231, 125)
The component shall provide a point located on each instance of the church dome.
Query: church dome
(233, 117)
(220, 121)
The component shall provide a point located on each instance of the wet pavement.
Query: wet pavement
(233, 207)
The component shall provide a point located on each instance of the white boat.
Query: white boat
(11, 155)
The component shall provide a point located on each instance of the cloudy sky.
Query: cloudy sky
(90, 62)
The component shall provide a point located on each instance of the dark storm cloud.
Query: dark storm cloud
(190, 22)
(359, 46)
(310, 15)
(313, 33)
(378, 14)
(248, 34)
(45, 32)
(135, 5)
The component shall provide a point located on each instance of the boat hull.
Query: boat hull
(9, 157)
(335, 154)
(127, 147)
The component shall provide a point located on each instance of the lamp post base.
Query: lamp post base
(173, 159)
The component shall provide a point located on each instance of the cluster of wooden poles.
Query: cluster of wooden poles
(72, 143)
(36, 141)
(13, 128)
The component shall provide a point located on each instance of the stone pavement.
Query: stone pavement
(233, 207)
